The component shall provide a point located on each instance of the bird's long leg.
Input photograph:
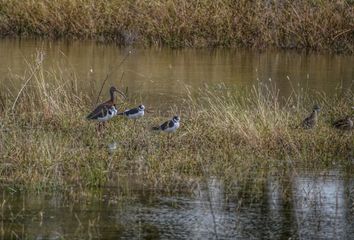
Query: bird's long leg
(98, 128)
(134, 134)
(134, 125)
(169, 138)
(103, 127)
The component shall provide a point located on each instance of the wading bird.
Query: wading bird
(134, 113)
(169, 126)
(311, 120)
(344, 123)
(105, 111)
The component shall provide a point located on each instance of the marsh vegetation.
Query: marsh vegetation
(47, 142)
(241, 165)
(301, 24)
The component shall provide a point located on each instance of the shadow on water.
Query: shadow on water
(303, 207)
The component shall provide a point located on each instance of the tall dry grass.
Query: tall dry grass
(300, 24)
(46, 141)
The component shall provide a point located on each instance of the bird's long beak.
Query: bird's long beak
(121, 93)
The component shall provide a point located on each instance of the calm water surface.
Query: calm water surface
(159, 76)
(313, 208)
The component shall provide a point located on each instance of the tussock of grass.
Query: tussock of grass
(245, 136)
(301, 24)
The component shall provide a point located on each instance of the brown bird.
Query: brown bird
(344, 123)
(311, 120)
(105, 110)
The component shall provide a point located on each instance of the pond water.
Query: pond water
(314, 207)
(159, 76)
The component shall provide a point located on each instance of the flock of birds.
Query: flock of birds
(107, 110)
(311, 121)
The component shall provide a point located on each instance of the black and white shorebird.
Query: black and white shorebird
(311, 120)
(134, 113)
(169, 126)
(107, 115)
(106, 110)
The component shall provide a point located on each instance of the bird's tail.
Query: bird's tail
(89, 117)
(155, 128)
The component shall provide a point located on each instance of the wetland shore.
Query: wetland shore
(46, 140)
(301, 24)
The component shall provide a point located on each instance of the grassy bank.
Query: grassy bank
(46, 141)
(301, 24)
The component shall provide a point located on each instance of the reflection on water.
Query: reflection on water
(324, 209)
(154, 76)
(314, 208)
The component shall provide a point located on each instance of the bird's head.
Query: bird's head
(141, 107)
(316, 108)
(112, 89)
(176, 119)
